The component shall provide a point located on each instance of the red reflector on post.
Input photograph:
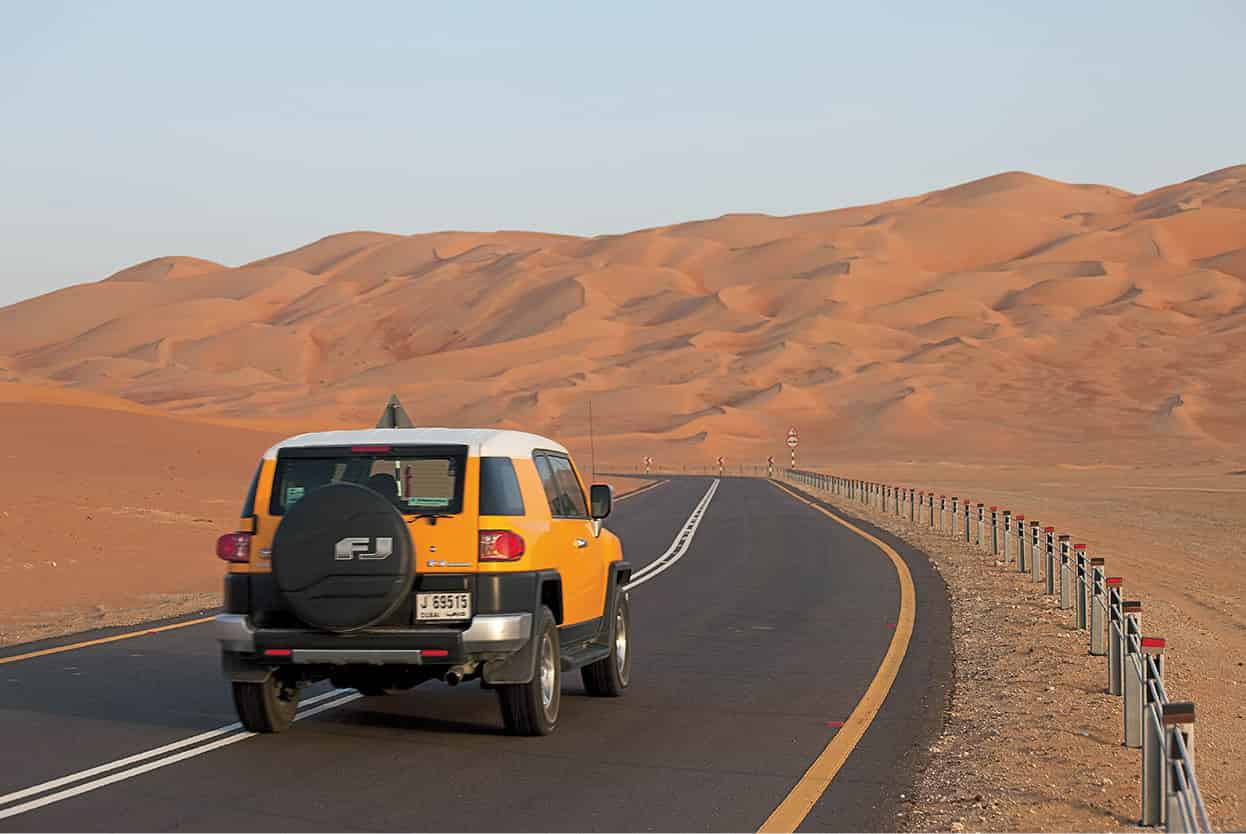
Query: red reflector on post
(1079, 547)
(1049, 529)
(435, 653)
(277, 652)
(1152, 642)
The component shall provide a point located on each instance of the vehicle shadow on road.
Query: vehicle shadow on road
(388, 713)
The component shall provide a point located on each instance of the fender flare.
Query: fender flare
(620, 573)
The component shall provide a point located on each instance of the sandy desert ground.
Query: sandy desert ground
(1075, 352)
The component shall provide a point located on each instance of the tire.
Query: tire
(531, 709)
(267, 707)
(608, 677)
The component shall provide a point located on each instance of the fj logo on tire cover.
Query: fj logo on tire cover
(357, 547)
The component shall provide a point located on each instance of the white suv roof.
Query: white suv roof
(479, 442)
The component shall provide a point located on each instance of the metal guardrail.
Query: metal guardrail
(1161, 728)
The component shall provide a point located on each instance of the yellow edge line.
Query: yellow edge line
(114, 638)
(633, 493)
(129, 634)
(800, 801)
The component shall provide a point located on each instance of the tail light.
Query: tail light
(234, 547)
(500, 546)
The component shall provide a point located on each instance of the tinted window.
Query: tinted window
(248, 504)
(499, 488)
(415, 483)
(570, 495)
(548, 483)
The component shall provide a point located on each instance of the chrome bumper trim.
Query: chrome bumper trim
(235, 633)
(498, 632)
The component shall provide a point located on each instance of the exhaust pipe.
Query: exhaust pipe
(455, 674)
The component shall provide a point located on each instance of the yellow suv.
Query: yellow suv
(384, 558)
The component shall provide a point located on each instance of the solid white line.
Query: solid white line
(683, 540)
(229, 731)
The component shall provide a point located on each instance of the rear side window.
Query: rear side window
(562, 488)
(248, 504)
(499, 488)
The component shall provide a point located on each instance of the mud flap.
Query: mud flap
(517, 667)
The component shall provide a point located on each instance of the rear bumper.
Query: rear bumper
(488, 634)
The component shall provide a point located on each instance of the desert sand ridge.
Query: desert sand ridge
(1014, 307)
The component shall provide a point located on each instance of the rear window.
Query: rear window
(416, 480)
(499, 488)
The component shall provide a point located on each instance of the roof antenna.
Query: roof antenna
(394, 416)
(592, 448)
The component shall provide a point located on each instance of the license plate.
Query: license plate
(454, 605)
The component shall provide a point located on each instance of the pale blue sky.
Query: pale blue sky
(231, 131)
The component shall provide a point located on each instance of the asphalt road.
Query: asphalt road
(748, 651)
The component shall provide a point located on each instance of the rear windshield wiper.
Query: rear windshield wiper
(432, 517)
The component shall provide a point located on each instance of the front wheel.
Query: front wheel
(267, 707)
(531, 709)
(608, 677)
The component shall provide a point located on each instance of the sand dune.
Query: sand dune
(1006, 309)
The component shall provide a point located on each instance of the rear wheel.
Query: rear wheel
(531, 709)
(608, 677)
(267, 707)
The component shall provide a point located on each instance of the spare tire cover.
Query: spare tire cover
(342, 558)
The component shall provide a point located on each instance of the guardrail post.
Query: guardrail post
(1153, 742)
(1050, 567)
(954, 510)
(930, 502)
(1082, 584)
(1098, 607)
(1177, 717)
(994, 531)
(1036, 562)
(1135, 673)
(968, 510)
(1116, 634)
(1021, 543)
(1066, 573)
(981, 524)
(912, 506)
(1005, 529)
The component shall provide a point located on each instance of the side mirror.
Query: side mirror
(600, 499)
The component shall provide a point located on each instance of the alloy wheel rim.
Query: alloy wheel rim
(620, 643)
(548, 674)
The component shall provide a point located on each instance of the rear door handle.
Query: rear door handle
(581, 542)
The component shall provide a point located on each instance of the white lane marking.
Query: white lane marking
(683, 540)
(231, 733)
